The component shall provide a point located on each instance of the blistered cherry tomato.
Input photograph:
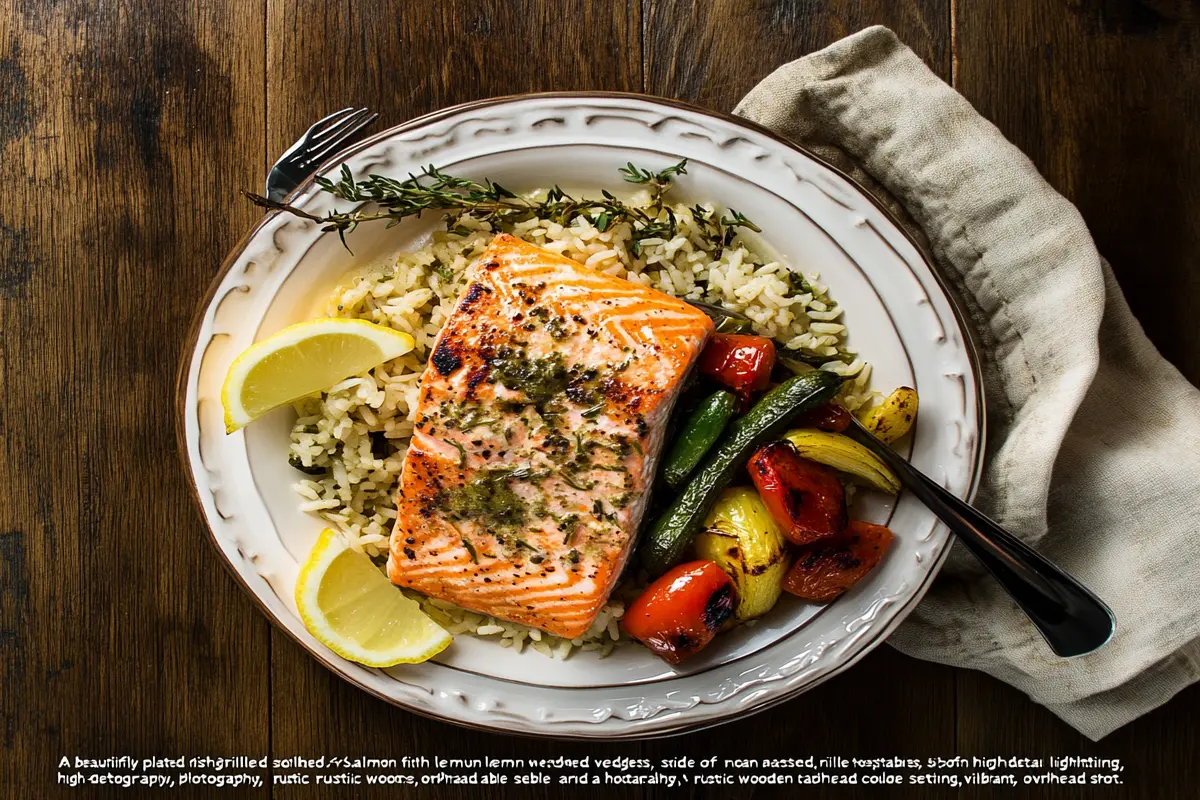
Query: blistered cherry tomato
(825, 570)
(682, 611)
(739, 361)
(805, 498)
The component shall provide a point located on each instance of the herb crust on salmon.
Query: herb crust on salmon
(539, 423)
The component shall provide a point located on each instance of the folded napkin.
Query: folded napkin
(1093, 439)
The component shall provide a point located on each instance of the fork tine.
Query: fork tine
(318, 126)
(322, 152)
(336, 129)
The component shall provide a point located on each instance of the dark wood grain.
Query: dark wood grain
(1157, 751)
(405, 58)
(714, 51)
(126, 130)
(119, 630)
(1104, 96)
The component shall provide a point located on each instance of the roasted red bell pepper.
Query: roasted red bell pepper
(682, 611)
(825, 570)
(829, 417)
(805, 498)
(739, 361)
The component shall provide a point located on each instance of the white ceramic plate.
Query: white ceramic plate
(814, 217)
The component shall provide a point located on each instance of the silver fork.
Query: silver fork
(323, 139)
(1072, 620)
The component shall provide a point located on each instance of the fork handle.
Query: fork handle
(1072, 619)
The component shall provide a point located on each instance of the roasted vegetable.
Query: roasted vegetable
(805, 498)
(697, 435)
(741, 362)
(682, 611)
(825, 570)
(742, 539)
(893, 418)
(829, 417)
(733, 325)
(793, 365)
(672, 532)
(845, 455)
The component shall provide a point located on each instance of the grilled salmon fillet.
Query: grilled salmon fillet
(539, 422)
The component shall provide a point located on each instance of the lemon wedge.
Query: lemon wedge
(355, 611)
(303, 359)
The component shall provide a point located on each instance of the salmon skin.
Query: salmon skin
(539, 422)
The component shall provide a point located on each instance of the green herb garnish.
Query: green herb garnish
(799, 283)
(634, 174)
(731, 224)
(462, 452)
(387, 198)
(470, 548)
(488, 499)
(569, 479)
(539, 379)
(594, 411)
(569, 525)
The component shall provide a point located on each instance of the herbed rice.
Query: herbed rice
(356, 434)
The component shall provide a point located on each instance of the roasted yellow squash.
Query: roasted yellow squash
(894, 417)
(745, 542)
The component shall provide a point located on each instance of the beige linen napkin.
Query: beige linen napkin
(1093, 439)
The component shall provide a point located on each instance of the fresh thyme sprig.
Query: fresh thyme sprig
(738, 220)
(633, 174)
(721, 230)
(491, 203)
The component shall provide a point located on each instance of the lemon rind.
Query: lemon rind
(392, 344)
(328, 547)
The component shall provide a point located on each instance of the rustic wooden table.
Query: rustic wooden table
(127, 130)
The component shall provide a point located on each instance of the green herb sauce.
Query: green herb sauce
(539, 379)
(488, 500)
